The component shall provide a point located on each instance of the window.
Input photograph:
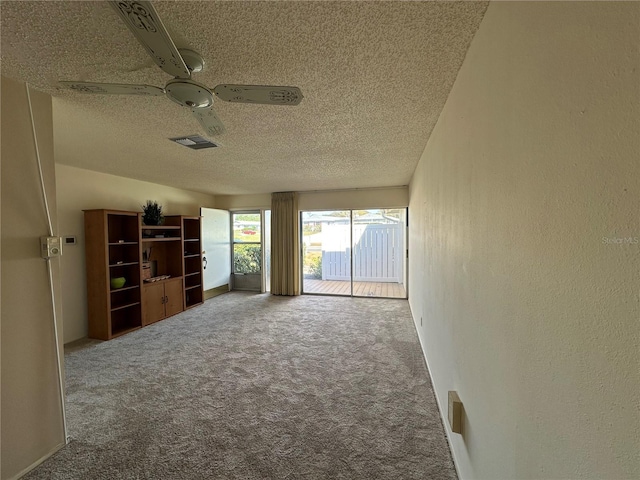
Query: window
(247, 246)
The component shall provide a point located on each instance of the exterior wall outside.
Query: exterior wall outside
(525, 244)
(31, 416)
(80, 190)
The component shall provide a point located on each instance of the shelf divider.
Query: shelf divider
(122, 307)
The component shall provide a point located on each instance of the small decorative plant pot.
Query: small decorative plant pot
(152, 213)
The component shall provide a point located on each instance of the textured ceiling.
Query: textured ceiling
(375, 76)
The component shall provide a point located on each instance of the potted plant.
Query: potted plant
(152, 213)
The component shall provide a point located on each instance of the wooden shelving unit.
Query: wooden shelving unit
(115, 242)
(192, 262)
(112, 250)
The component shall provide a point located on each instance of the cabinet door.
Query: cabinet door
(173, 296)
(153, 300)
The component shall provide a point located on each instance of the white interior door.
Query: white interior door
(216, 243)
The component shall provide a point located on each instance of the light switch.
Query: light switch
(50, 247)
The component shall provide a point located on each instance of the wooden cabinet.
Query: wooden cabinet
(162, 299)
(116, 243)
(112, 251)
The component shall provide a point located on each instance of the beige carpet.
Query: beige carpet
(256, 387)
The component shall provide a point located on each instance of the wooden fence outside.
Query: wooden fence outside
(378, 252)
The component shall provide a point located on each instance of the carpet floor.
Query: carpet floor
(252, 386)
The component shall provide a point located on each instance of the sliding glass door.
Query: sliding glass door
(354, 252)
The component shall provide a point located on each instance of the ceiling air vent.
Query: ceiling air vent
(195, 142)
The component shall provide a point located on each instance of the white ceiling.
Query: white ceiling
(375, 76)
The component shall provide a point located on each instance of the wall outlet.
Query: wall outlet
(455, 412)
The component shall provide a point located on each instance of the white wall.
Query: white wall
(525, 229)
(31, 414)
(79, 190)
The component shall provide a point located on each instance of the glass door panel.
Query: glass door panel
(247, 251)
(326, 252)
(379, 253)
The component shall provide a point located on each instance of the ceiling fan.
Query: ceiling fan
(143, 20)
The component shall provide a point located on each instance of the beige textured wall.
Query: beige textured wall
(79, 190)
(525, 243)
(243, 202)
(31, 416)
(330, 200)
(355, 199)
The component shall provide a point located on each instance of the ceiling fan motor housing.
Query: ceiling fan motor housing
(189, 93)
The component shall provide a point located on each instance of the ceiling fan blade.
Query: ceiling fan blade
(265, 94)
(113, 88)
(143, 20)
(209, 120)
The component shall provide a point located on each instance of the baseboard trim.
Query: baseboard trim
(443, 415)
(214, 292)
(38, 462)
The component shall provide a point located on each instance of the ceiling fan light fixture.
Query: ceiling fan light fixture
(189, 93)
(141, 17)
(193, 60)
